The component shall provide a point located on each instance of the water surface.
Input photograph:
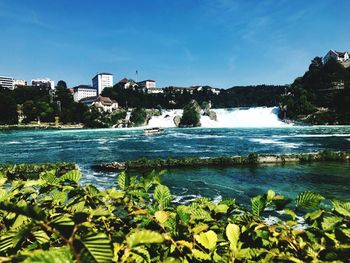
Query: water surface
(87, 147)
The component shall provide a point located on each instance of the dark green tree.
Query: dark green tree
(138, 117)
(62, 84)
(191, 114)
(8, 110)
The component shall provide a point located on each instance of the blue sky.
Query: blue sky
(221, 43)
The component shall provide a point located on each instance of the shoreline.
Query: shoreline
(81, 127)
(223, 161)
(24, 127)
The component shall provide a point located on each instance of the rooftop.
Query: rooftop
(84, 87)
(149, 80)
(103, 73)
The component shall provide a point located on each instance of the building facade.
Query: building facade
(19, 83)
(101, 81)
(148, 84)
(83, 91)
(155, 90)
(7, 82)
(43, 83)
(105, 104)
(337, 56)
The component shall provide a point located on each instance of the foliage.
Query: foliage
(8, 110)
(252, 159)
(138, 117)
(321, 95)
(62, 84)
(54, 219)
(191, 115)
(41, 104)
(238, 96)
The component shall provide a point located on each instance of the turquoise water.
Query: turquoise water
(87, 147)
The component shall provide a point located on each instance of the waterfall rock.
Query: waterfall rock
(177, 120)
(212, 115)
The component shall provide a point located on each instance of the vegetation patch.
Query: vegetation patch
(224, 161)
(55, 219)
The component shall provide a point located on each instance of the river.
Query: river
(87, 147)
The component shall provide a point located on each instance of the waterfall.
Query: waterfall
(226, 118)
(165, 120)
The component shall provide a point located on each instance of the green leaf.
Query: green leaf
(270, 195)
(342, 208)
(144, 237)
(308, 200)
(14, 238)
(207, 239)
(96, 248)
(2, 180)
(123, 181)
(59, 197)
(233, 232)
(114, 194)
(142, 254)
(163, 196)
(183, 214)
(73, 176)
(258, 205)
(221, 209)
(290, 212)
(314, 215)
(41, 237)
(329, 222)
(200, 255)
(49, 177)
(54, 255)
(92, 190)
(161, 216)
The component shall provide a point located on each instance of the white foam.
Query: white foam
(276, 142)
(165, 120)
(259, 117)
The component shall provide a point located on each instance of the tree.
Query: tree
(62, 84)
(8, 110)
(138, 117)
(191, 115)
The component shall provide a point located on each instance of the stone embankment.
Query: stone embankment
(225, 161)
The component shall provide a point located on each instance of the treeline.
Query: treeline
(321, 95)
(39, 104)
(247, 96)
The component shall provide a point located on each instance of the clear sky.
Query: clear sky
(221, 43)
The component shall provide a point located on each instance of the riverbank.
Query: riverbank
(223, 161)
(40, 127)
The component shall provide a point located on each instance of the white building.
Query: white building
(148, 84)
(83, 91)
(155, 90)
(101, 81)
(6, 82)
(105, 104)
(337, 56)
(127, 83)
(19, 83)
(213, 90)
(44, 83)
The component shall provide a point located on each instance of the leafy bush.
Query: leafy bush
(54, 219)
